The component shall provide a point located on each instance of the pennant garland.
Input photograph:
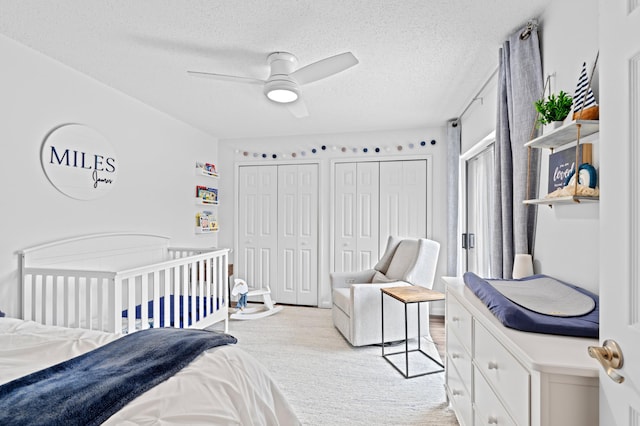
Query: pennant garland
(324, 148)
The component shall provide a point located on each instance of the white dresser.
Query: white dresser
(500, 376)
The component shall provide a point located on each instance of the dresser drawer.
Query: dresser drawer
(503, 373)
(459, 396)
(488, 409)
(459, 357)
(458, 320)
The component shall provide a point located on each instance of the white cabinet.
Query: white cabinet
(500, 376)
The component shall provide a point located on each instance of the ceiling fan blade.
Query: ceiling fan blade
(298, 109)
(225, 77)
(324, 68)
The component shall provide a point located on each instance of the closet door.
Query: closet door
(256, 257)
(356, 197)
(403, 199)
(297, 235)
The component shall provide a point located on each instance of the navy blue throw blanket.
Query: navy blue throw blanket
(90, 388)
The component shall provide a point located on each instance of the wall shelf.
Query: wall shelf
(200, 230)
(565, 134)
(206, 195)
(563, 200)
(203, 202)
(571, 132)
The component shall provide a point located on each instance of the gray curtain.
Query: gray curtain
(519, 86)
(453, 158)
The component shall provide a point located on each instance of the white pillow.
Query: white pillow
(403, 259)
(385, 260)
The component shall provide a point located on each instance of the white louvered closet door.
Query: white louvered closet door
(356, 197)
(403, 199)
(256, 257)
(297, 235)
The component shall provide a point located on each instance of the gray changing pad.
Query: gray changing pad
(545, 295)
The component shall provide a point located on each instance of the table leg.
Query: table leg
(406, 340)
(382, 316)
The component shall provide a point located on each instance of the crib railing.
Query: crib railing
(191, 290)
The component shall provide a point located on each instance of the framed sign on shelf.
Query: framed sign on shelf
(562, 163)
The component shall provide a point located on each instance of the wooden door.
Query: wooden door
(256, 256)
(620, 205)
(297, 235)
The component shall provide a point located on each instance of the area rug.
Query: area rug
(329, 382)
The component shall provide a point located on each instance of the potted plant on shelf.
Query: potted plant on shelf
(554, 109)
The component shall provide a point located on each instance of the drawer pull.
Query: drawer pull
(492, 421)
(493, 365)
(456, 392)
(455, 319)
(455, 356)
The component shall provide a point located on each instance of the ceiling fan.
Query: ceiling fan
(284, 81)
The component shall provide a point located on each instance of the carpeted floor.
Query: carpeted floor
(329, 382)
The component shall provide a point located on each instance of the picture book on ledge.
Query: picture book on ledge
(207, 168)
(206, 221)
(206, 194)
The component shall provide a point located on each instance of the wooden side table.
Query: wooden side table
(408, 295)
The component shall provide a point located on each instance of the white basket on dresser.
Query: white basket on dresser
(499, 376)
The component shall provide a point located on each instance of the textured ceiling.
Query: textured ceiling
(421, 61)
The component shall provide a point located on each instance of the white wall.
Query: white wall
(156, 181)
(566, 243)
(231, 154)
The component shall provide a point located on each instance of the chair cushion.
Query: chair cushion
(403, 259)
(379, 277)
(342, 299)
(385, 260)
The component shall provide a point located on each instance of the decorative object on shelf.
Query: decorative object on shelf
(554, 109)
(562, 164)
(586, 107)
(587, 176)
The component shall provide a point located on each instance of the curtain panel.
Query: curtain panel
(520, 84)
(453, 160)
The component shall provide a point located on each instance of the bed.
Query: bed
(223, 385)
(123, 282)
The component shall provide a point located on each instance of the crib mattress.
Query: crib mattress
(514, 316)
(224, 385)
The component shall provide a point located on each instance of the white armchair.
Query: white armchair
(356, 307)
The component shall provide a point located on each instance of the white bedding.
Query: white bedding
(223, 386)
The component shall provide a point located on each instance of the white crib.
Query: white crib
(97, 281)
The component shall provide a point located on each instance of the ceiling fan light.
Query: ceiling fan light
(281, 90)
(282, 96)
